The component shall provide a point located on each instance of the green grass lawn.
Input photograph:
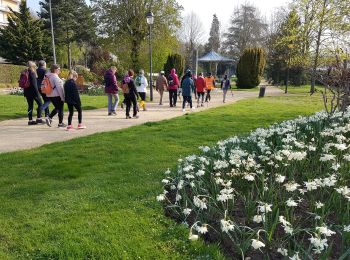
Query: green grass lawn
(94, 197)
(16, 106)
(304, 89)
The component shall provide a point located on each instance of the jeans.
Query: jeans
(46, 104)
(224, 91)
(172, 97)
(30, 101)
(112, 106)
(186, 99)
(58, 104)
(71, 112)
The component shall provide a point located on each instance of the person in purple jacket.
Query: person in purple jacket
(111, 89)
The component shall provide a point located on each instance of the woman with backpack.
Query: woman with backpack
(41, 72)
(141, 85)
(173, 85)
(72, 99)
(188, 88)
(56, 96)
(28, 81)
(130, 94)
(225, 85)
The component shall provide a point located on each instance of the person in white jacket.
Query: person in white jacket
(141, 86)
(56, 96)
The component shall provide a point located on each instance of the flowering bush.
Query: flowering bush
(279, 192)
(16, 91)
(94, 90)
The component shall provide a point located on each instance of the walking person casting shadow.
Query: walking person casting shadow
(28, 81)
(56, 96)
(73, 100)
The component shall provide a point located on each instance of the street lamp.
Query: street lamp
(150, 20)
(52, 35)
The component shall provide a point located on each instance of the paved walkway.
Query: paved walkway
(16, 135)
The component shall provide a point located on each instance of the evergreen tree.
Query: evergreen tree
(174, 61)
(250, 68)
(73, 21)
(214, 41)
(22, 39)
(246, 30)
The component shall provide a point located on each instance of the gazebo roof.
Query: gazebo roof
(214, 57)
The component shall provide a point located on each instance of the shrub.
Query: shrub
(250, 68)
(94, 90)
(9, 74)
(174, 61)
(281, 191)
(64, 73)
(87, 74)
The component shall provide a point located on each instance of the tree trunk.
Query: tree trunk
(287, 80)
(135, 54)
(69, 56)
(318, 43)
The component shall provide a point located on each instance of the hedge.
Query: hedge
(9, 74)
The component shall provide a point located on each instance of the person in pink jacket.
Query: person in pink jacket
(173, 85)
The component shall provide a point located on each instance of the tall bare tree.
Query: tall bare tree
(192, 34)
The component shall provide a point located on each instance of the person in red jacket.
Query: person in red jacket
(111, 89)
(173, 85)
(200, 88)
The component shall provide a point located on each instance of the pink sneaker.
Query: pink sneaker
(80, 126)
(69, 128)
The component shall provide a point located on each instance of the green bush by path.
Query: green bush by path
(16, 106)
(9, 74)
(250, 68)
(94, 197)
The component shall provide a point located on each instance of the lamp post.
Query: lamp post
(52, 35)
(150, 20)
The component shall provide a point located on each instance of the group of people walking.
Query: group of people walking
(134, 87)
(45, 87)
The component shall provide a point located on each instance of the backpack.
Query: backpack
(138, 81)
(24, 81)
(171, 81)
(125, 88)
(46, 86)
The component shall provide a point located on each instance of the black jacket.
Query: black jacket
(71, 93)
(132, 89)
(41, 74)
(32, 91)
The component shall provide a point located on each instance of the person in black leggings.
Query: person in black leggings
(131, 95)
(72, 99)
(32, 94)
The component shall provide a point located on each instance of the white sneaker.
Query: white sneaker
(183, 110)
(193, 108)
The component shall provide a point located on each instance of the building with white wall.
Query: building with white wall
(5, 6)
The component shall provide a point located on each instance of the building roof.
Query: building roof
(214, 57)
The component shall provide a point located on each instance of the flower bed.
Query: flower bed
(16, 91)
(94, 90)
(282, 191)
